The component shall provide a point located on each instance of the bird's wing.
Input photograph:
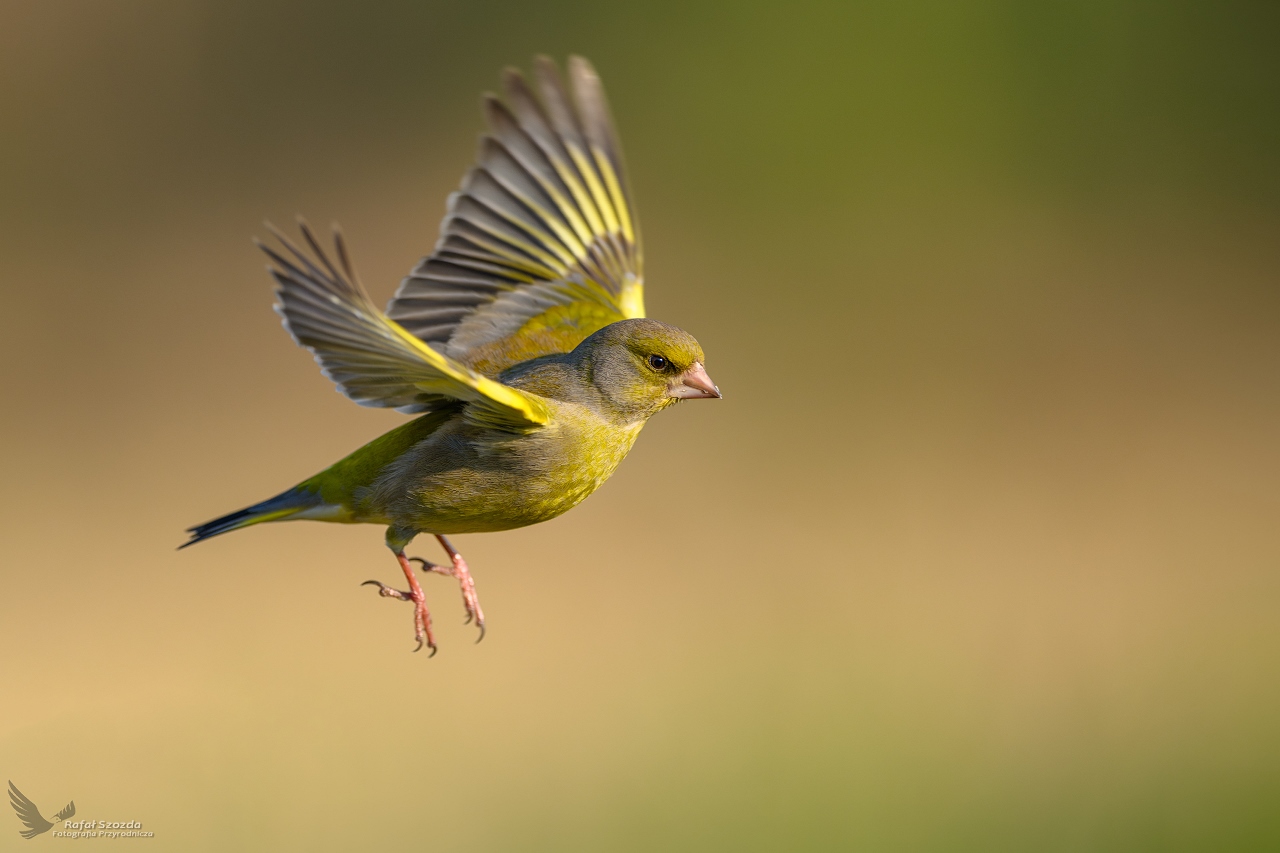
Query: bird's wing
(371, 358)
(67, 813)
(540, 245)
(28, 813)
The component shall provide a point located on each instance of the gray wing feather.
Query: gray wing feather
(309, 290)
(546, 207)
(372, 359)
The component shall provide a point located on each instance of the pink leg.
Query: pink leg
(459, 571)
(421, 618)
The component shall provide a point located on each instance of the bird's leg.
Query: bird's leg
(460, 571)
(421, 618)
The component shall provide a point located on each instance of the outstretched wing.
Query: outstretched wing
(371, 358)
(67, 813)
(540, 246)
(27, 813)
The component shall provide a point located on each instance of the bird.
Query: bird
(520, 343)
(30, 815)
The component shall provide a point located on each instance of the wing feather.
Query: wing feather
(539, 247)
(373, 359)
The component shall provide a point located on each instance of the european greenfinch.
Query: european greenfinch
(520, 342)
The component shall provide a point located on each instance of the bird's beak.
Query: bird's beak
(693, 384)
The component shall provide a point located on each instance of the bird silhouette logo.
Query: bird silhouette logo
(30, 815)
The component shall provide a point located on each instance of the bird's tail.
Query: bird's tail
(291, 504)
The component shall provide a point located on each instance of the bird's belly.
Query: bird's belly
(508, 489)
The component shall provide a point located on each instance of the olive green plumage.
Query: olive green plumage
(520, 340)
(443, 474)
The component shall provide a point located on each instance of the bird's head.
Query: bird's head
(642, 366)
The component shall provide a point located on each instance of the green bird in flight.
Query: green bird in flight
(520, 342)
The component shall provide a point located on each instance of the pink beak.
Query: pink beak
(694, 384)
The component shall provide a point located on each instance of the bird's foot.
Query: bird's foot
(421, 617)
(459, 571)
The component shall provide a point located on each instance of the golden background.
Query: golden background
(981, 550)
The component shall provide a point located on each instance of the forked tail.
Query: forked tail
(282, 506)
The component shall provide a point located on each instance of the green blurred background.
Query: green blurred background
(980, 552)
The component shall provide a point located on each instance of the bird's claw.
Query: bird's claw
(389, 592)
(459, 572)
(421, 618)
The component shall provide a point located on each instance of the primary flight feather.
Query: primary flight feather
(520, 342)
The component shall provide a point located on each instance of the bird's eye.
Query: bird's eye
(657, 362)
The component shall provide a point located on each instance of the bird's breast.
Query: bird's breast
(501, 481)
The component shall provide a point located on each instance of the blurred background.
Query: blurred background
(980, 552)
